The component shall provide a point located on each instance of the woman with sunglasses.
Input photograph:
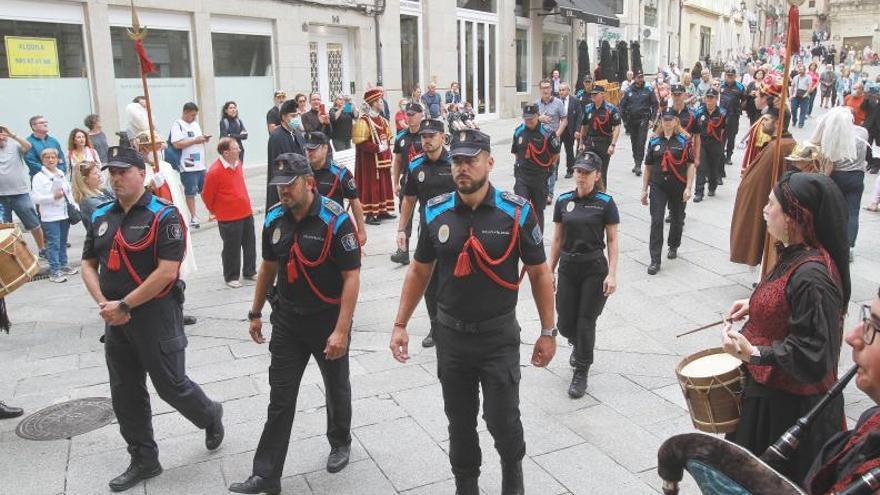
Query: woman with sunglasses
(791, 341)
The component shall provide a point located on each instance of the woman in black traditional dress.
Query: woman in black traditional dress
(791, 342)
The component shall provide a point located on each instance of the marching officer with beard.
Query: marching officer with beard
(638, 106)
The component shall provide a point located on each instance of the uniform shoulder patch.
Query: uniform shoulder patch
(102, 209)
(682, 137)
(274, 213)
(436, 200)
(723, 112)
(565, 197)
(416, 161)
(332, 206)
(604, 197)
(589, 107)
(654, 139)
(513, 198)
(437, 205)
(519, 129)
(400, 134)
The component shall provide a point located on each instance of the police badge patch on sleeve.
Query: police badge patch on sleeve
(349, 242)
(536, 235)
(351, 183)
(174, 232)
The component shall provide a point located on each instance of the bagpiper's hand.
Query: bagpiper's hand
(739, 309)
(400, 344)
(256, 331)
(337, 345)
(545, 349)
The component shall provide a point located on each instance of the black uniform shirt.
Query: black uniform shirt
(732, 98)
(679, 145)
(584, 220)
(407, 144)
(543, 141)
(710, 124)
(638, 103)
(109, 217)
(449, 221)
(687, 120)
(601, 121)
(273, 116)
(428, 178)
(335, 179)
(279, 230)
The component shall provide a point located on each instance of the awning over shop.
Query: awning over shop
(591, 11)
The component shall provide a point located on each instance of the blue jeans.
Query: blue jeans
(23, 206)
(56, 243)
(851, 184)
(798, 117)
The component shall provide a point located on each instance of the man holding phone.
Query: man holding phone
(187, 136)
(316, 119)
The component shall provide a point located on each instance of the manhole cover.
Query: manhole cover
(67, 419)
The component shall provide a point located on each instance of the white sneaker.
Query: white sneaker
(235, 284)
(58, 278)
(194, 222)
(70, 270)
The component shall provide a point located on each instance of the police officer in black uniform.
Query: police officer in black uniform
(311, 272)
(711, 123)
(733, 96)
(601, 129)
(536, 147)
(407, 144)
(131, 259)
(430, 175)
(638, 108)
(476, 237)
(669, 173)
(334, 182)
(584, 219)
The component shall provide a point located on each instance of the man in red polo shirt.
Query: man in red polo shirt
(226, 198)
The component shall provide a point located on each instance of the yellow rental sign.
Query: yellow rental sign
(32, 57)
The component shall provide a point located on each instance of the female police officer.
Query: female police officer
(669, 172)
(584, 219)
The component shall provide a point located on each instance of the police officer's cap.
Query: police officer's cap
(413, 108)
(712, 92)
(431, 126)
(597, 89)
(315, 139)
(469, 142)
(668, 114)
(638, 73)
(289, 166)
(530, 111)
(588, 78)
(119, 157)
(588, 161)
(678, 89)
(730, 71)
(289, 106)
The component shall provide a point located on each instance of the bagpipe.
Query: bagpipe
(721, 467)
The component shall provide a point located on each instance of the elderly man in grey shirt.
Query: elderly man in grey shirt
(553, 113)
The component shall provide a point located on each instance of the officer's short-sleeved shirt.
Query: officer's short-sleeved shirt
(108, 218)
(732, 98)
(476, 297)
(335, 182)
(601, 121)
(541, 138)
(407, 145)
(279, 231)
(710, 125)
(584, 219)
(428, 178)
(679, 146)
(686, 118)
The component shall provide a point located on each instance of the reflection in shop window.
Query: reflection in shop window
(68, 40)
(555, 55)
(521, 8)
(241, 55)
(522, 60)
(169, 51)
(481, 5)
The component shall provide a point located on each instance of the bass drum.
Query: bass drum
(17, 264)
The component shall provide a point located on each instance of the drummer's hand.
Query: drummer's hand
(545, 349)
(739, 310)
(736, 344)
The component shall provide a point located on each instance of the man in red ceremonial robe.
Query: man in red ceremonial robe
(372, 135)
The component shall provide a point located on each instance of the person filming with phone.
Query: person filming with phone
(187, 136)
(316, 119)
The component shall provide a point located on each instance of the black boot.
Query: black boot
(338, 458)
(428, 341)
(572, 361)
(215, 432)
(137, 471)
(257, 484)
(466, 485)
(578, 386)
(7, 412)
(512, 478)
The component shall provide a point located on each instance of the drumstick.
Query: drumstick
(710, 325)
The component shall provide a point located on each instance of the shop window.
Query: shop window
(237, 55)
(481, 5)
(522, 60)
(169, 51)
(409, 53)
(61, 52)
(555, 55)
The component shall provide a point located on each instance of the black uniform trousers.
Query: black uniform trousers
(152, 342)
(469, 360)
(534, 188)
(711, 165)
(570, 150)
(238, 237)
(731, 127)
(580, 300)
(667, 192)
(638, 137)
(600, 146)
(293, 342)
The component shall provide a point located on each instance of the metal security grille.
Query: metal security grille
(313, 64)
(334, 69)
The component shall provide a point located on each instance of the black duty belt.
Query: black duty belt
(484, 326)
(581, 257)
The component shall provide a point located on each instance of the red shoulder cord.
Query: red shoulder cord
(669, 163)
(716, 124)
(871, 424)
(120, 249)
(333, 187)
(484, 261)
(532, 153)
(599, 124)
(297, 258)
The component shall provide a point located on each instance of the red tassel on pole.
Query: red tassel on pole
(113, 261)
(793, 35)
(147, 65)
(292, 273)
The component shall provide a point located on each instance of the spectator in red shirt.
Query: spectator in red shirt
(855, 102)
(226, 198)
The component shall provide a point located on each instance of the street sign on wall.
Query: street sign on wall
(32, 57)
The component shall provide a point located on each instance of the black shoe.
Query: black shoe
(466, 485)
(727, 161)
(257, 484)
(578, 386)
(428, 341)
(372, 220)
(672, 253)
(7, 412)
(338, 458)
(401, 257)
(215, 432)
(569, 175)
(189, 320)
(387, 216)
(653, 268)
(698, 198)
(136, 472)
(721, 179)
(711, 193)
(572, 360)
(637, 171)
(669, 218)
(512, 478)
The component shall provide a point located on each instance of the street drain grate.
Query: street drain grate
(67, 419)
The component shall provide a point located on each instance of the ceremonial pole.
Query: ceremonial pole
(792, 44)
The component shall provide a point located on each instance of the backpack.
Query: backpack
(172, 154)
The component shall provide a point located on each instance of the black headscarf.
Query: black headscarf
(815, 202)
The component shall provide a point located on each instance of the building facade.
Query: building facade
(717, 29)
(855, 23)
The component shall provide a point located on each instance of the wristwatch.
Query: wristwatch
(549, 332)
(254, 315)
(124, 307)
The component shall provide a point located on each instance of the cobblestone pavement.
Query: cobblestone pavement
(605, 443)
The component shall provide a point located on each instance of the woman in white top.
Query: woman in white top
(51, 192)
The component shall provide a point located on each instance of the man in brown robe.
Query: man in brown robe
(747, 226)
